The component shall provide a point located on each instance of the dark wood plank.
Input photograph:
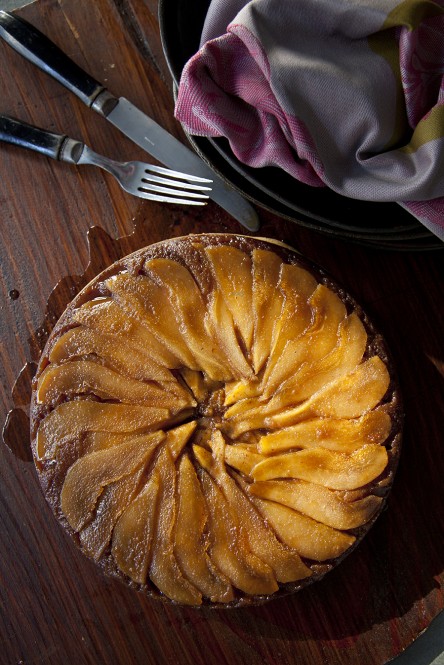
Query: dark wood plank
(60, 226)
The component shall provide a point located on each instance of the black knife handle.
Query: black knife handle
(37, 48)
(27, 136)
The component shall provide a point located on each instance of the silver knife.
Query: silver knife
(132, 122)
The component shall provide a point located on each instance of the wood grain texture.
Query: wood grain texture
(60, 226)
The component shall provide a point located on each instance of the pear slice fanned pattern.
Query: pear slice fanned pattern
(214, 421)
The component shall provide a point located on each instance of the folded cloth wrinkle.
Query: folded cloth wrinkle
(347, 94)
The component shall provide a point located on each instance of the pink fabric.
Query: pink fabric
(421, 68)
(229, 94)
(329, 119)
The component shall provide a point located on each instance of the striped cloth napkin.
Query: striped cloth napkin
(347, 94)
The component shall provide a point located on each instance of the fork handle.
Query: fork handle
(56, 146)
(38, 49)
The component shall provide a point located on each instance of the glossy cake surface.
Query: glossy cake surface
(215, 421)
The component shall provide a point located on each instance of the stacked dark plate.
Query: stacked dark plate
(382, 225)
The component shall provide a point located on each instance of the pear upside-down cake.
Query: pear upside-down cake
(215, 421)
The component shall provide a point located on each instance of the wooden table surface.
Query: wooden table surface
(60, 226)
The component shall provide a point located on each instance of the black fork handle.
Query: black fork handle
(33, 138)
(50, 144)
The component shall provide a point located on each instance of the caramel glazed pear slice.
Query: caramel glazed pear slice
(215, 422)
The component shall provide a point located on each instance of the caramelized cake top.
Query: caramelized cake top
(215, 421)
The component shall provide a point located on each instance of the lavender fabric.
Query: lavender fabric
(347, 94)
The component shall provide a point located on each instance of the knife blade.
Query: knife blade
(131, 121)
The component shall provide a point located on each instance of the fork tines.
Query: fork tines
(178, 186)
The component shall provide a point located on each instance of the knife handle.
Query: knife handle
(38, 49)
(27, 136)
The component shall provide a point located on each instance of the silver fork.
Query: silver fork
(136, 178)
